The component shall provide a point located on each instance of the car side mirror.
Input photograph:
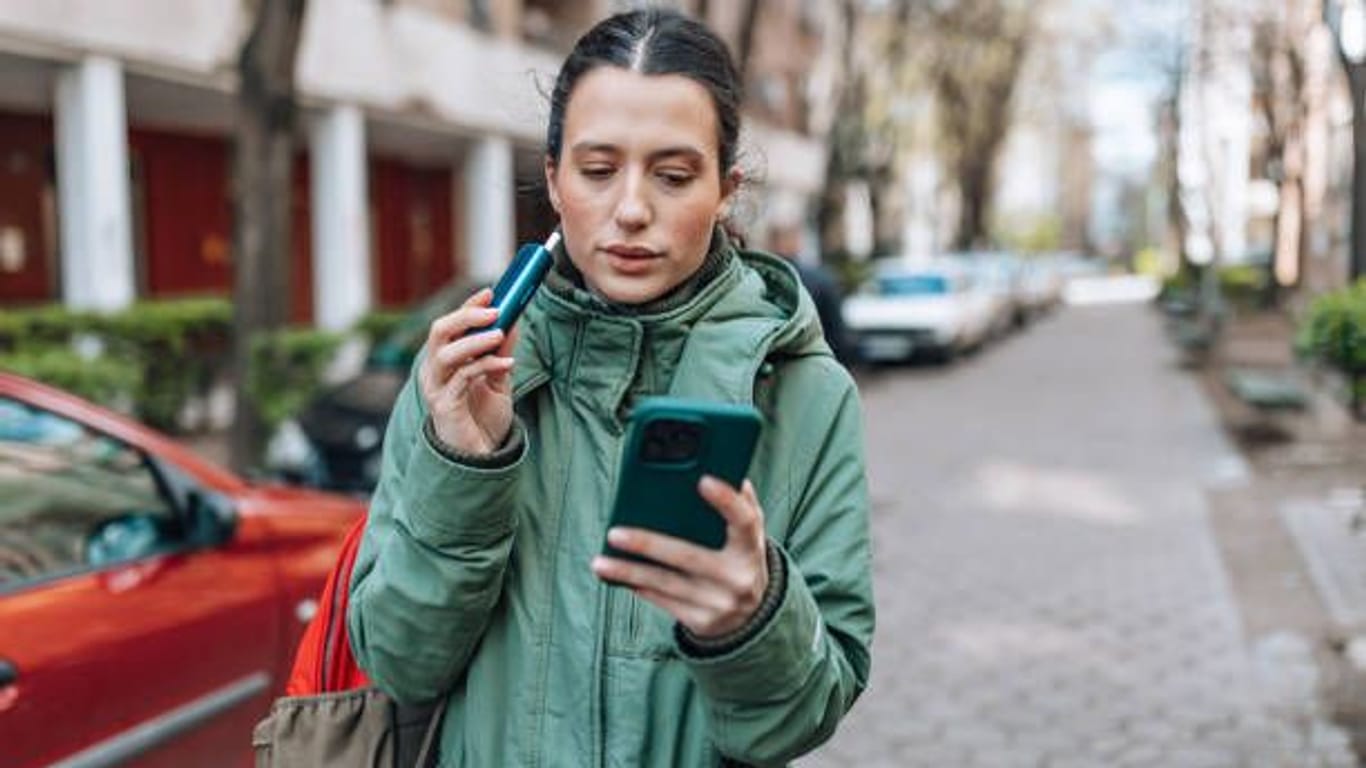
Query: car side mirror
(210, 518)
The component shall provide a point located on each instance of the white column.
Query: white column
(489, 208)
(92, 184)
(341, 227)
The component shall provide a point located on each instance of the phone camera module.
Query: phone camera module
(671, 442)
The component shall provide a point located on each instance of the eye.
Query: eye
(597, 172)
(675, 178)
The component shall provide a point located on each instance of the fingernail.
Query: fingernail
(599, 564)
(618, 536)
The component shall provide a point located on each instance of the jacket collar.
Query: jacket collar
(710, 346)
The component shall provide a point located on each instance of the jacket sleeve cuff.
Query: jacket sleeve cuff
(454, 501)
(708, 647)
(504, 455)
(777, 659)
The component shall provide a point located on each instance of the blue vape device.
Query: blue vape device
(520, 281)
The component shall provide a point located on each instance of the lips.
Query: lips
(632, 251)
(632, 261)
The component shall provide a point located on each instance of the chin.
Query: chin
(627, 291)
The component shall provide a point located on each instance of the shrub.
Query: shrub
(177, 347)
(286, 370)
(182, 346)
(1333, 332)
(110, 381)
(379, 324)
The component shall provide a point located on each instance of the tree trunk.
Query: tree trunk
(745, 46)
(261, 195)
(974, 185)
(1356, 262)
(844, 144)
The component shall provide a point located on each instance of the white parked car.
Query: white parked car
(1042, 285)
(907, 311)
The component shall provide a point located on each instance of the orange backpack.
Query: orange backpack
(323, 663)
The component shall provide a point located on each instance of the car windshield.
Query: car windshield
(912, 285)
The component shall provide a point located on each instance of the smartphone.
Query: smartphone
(670, 444)
(519, 282)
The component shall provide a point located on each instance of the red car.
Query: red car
(150, 602)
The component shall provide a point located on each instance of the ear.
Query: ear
(730, 184)
(550, 183)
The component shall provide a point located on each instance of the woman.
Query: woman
(479, 578)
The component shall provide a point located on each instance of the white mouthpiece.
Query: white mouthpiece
(553, 240)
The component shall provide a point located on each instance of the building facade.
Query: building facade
(419, 153)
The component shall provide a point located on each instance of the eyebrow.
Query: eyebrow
(683, 150)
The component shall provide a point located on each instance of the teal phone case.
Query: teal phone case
(661, 494)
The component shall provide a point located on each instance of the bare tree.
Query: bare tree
(973, 54)
(1279, 82)
(846, 140)
(261, 192)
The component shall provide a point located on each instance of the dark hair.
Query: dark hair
(654, 42)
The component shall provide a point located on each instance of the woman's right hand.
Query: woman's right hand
(467, 379)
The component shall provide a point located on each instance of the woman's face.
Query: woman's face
(638, 185)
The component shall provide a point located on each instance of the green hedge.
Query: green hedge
(159, 354)
(286, 370)
(1333, 332)
(109, 380)
(1244, 285)
(379, 324)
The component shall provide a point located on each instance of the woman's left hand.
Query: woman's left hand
(712, 592)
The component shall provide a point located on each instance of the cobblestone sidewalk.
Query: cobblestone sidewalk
(1050, 589)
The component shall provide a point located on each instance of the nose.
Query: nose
(633, 210)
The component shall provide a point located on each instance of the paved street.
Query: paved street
(1049, 589)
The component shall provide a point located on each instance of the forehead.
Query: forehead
(611, 105)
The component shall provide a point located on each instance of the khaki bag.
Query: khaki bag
(359, 728)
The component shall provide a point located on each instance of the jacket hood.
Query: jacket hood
(752, 311)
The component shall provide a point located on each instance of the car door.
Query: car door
(131, 638)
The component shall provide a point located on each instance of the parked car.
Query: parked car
(150, 602)
(1041, 286)
(999, 276)
(335, 442)
(908, 310)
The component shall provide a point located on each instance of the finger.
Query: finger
(501, 381)
(475, 312)
(684, 613)
(450, 356)
(747, 490)
(646, 576)
(483, 367)
(510, 341)
(676, 553)
(738, 511)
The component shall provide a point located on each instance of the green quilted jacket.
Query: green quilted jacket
(474, 583)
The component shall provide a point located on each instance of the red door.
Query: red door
(187, 221)
(412, 214)
(26, 272)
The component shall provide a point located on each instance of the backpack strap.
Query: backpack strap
(323, 662)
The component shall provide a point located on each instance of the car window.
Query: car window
(913, 285)
(72, 498)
